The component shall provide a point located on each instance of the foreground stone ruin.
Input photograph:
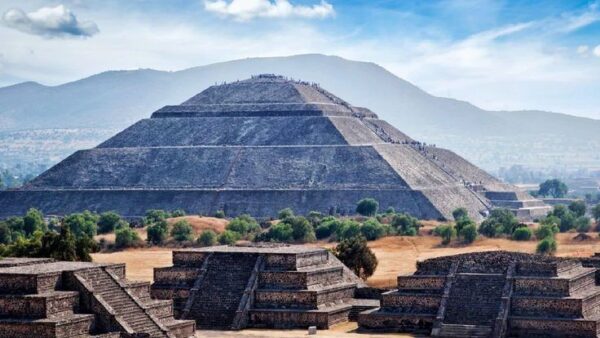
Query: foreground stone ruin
(261, 145)
(42, 298)
(492, 294)
(283, 286)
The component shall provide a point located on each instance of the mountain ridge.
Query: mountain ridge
(116, 99)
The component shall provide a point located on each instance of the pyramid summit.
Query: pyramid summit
(260, 145)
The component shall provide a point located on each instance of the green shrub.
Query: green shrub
(322, 231)
(285, 213)
(500, 221)
(243, 224)
(468, 233)
(522, 234)
(228, 237)
(367, 207)
(5, 233)
(207, 238)
(464, 222)
(33, 221)
(314, 217)
(371, 229)
(447, 232)
(578, 208)
(357, 256)
(405, 224)
(108, 222)
(390, 211)
(178, 213)
(155, 215)
(546, 230)
(459, 213)
(126, 237)
(157, 232)
(220, 214)
(583, 224)
(182, 231)
(347, 229)
(302, 230)
(82, 224)
(546, 246)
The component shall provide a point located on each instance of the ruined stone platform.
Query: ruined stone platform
(273, 286)
(47, 299)
(492, 294)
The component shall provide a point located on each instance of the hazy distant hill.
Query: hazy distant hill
(115, 99)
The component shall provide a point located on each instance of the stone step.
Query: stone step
(74, 325)
(466, 331)
(303, 299)
(311, 277)
(406, 302)
(322, 318)
(43, 305)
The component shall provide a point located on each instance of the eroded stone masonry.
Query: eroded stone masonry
(258, 146)
(493, 294)
(274, 286)
(43, 298)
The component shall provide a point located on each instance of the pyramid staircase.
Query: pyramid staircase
(275, 287)
(495, 294)
(74, 299)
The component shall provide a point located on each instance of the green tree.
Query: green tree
(228, 237)
(243, 224)
(459, 213)
(546, 246)
(108, 222)
(548, 227)
(367, 207)
(285, 213)
(554, 188)
(82, 223)
(371, 229)
(33, 221)
(126, 237)
(155, 215)
(447, 232)
(220, 214)
(522, 234)
(583, 224)
(405, 224)
(464, 222)
(578, 208)
(207, 238)
(314, 217)
(157, 232)
(178, 213)
(347, 229)
(500, 221)
(280, 232)
(302, 230)
(16, 226)
(596, 212)
(468, 233)
(5, 233)
(59, 246)
(84, 246)
(357, 256)
(182, 231)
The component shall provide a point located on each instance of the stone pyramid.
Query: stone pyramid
(257, 146)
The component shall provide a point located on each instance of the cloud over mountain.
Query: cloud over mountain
(244, 10)
(50, 22)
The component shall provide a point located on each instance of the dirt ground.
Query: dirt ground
(341, 330)
(396, 255)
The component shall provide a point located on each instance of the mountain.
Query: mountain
(115, 99)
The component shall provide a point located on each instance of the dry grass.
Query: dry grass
(200, 223)
(396, 255)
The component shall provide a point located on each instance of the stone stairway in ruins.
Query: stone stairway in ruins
(473, 305)
(122, 303)
(226, 276)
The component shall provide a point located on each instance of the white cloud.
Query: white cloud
(583, 49)
(49, 22)
(597, 51)
(244, 10)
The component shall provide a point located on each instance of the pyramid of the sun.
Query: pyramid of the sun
(257, 146)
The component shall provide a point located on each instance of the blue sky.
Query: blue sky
(495, 54)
